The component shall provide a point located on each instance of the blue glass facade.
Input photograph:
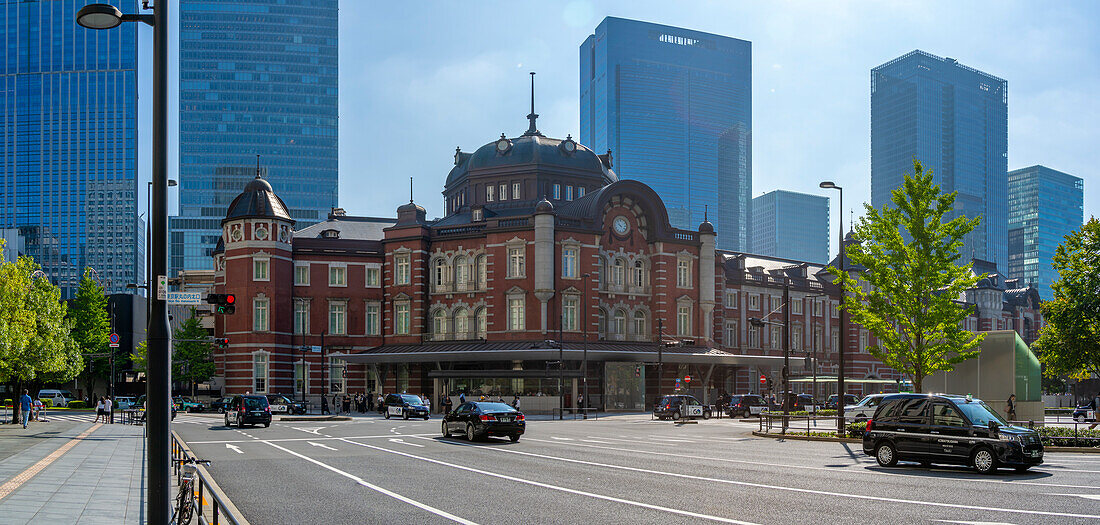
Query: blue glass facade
(674, 106)
(257, 77)
(791, 225)
(1044, 206)
(68, 142)
(954, 119)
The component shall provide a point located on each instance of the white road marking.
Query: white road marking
(654, 438)
(1086, 496)
(779, 487)
(561, 439)
(371, 486)
(234, 448)
(596, 441)
(401, 441)
(277, 440)
(976, 522)
(311, 430)
(554, 487)
(320, 445)
(804, 467)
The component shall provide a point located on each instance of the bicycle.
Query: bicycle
(185, 499)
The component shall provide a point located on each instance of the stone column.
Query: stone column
(544, 258)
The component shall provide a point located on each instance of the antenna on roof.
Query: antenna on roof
(705, 212)
(410, 190)
(532, 129)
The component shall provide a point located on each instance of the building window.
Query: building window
(754, 337)
(373, 313)
(336, 375)
(402, 272)
(569, 262)
(817, 338)
(836, 341)
(796, 337)
(401, 319)
(683, 320)
(796, 306)
(374, 277)
(834, 310)
(568, 193)
(601, 323)
(482, 323)
(439, 324)
(569, 313)
(301, 316)
(301, 275)
(259, 372)
(639, 274)
(863, 340)
(516, 321)
(482, 272)
(557, 192)
(337, 317)
(462, 271)
(731, 333)
(731, 298)
(754, 301)
(580, 191)
(617, 269)
(337, 275)
(260, 270)
(475, 215)
(462, 323)
(259, 315)
(774, 303)
(640, 329)
(777, 338)
(515, 191)
(618, 324)
(601, 273)
(301, 377)
(489, 193)
(817, 308)
(503, 192)
(516, 266)
(439, 272)
(683, 273)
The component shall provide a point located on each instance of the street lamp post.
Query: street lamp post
(148, 243)
(840, 428)
(660, 353)
(158, 436)
(584, 360)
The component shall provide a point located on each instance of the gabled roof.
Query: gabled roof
(350, 228)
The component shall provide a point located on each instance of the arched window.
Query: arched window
(618, 268)
(640, 325)
(638, 276)
(601, 273)
(461, 273)
(479, 265)
(601, 323)
(462, 323)
(482, 324)
(618, 325)
(439, 272)
(439, 324)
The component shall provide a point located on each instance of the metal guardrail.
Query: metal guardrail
(221, 510)
(786, 423)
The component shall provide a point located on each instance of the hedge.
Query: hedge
(1065, 436)
(819, 413)
(77, 404)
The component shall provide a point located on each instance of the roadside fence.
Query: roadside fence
(212, 506)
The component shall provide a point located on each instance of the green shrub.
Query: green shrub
(857, 428)
(1065, 436)
(48, 403)
(820, 413)
(77, 404)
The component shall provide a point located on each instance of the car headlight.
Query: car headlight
(1015, 438)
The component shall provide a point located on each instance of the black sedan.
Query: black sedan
(1086, 412)
(481, 419)
(221, 405)
(285, 405)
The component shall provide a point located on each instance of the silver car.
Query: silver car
(865, 408)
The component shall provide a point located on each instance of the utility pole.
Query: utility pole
(660, 353)
(585, 343)
(787, 347)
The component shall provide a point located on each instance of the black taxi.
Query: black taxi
(959, 430)
(481, 419)
(405, 406)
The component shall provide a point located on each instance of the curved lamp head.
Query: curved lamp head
(827, 185)
(171, 182)
(99, 16)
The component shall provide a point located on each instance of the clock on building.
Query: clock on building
(621, 225)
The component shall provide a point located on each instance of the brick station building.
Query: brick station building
(544, 261)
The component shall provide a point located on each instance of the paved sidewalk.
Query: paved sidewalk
(72, 472)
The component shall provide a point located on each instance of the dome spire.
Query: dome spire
(532, 129)
(258, 176)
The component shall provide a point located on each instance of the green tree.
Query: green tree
(1069, 342)
(91, 329)
(139, 357)
(35, 341)
(191, 359)
(908, 254)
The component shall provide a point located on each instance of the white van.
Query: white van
(58, 398)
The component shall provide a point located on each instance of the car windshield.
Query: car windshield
(253, 402)
(979, 413)
(495, 407)
(411, 399)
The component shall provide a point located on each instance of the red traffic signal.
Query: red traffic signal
(230, 298)
(223, 302)
(763, 379)
(222, 342)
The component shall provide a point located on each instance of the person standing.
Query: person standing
(447, 403)
(381, 404)
(98, 410)
(24, 407)
(347, 404)
(324, 404)
(461, 397)
(1011, 408)
(515, 402)
(109, 409)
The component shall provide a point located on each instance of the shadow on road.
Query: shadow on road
(483, 442)
(958, 472)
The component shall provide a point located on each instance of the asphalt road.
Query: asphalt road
(625, 469)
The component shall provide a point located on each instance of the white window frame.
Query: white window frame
(557, 192)
(372, 276)
(754, 301)
(338, 317)
(261, 269)
(754, 337)
(639, 275)
(517, 313)
(503, 192)
(481, 323)
(337, 275)
(683, 272)
(301, 270)
(337, 376)
(796, 306)
(618, 271)
(481, 269)
(402, 317)
(261, 314)
(515, 190)
(683, 320)
(260, 383)
(776, 338)
(731, 333)
(817, 308)
(569, 312)
(461, 272)
(731, 298)
(438, 319)
(301, 316)
(402, 269)
(461, 329)
(372, 318)
(517, 262)
(796, 337)
(569, 261)
(489, 188)
(301, 377)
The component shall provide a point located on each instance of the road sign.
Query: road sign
(315, 348)
(162, 287)
(186, 298)
(114, 340)
(763, 379)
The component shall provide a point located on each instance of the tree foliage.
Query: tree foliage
(191, 359)
(140, 356)
(908, 254)
(91, 328)
(1069, 342)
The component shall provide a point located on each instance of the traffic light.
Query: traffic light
(222, 342)
(224, 303)
(638, 371)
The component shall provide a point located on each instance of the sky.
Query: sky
(418, 79)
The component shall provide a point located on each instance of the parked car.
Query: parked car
(141, 404)
(284, 405)
(849, 399)
(1086, 412)
(958, 430)
(481, 419)
(680, 406)
(125, 402)
(405, 405)
(797, 402)
(187, 404)
(865, 408)
(221, 404)
(746, 405)
(248, 410)
(56, 397)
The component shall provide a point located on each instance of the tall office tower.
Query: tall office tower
(954, 119)
(1044, 206)
(68, 142)
(791, 225)
(674, 106)
(257, 77)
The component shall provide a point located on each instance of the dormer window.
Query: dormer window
(476, 215)
(331, 234)
(489, 193)
(557, 192)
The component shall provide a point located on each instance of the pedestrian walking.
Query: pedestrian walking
(381, 404)
(461, 397)
(370, 401)
(324, 405)
(447, 403)
(109, 408)
(347, 404)
(427, 403)
(515, 402)
(24, 407)
(1011, 408)
(99, 413)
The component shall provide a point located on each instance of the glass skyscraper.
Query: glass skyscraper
(954, 119)
(257, 77)
(1044, 206)
(674, 106)
(68, 142)
(791, 225)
